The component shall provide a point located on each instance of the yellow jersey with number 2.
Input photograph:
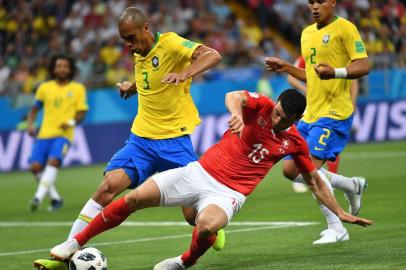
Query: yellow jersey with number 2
(164, 110)
(336, 44)
(60, 104)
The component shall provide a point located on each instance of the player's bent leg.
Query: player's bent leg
(114, 183)
(190, 216)
(50, 264)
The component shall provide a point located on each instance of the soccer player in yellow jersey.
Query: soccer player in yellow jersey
(64, 104)
(164, 66)
(334, 55)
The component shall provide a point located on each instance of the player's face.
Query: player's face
(62, 69)
(135, 37)
(322, 10)
(280, 120)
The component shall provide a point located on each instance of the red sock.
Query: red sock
(197, 248)
(111, 216)
(333, 166)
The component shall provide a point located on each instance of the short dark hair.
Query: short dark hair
(71, 61)
(293, 102)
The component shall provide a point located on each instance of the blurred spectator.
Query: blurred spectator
(4, 74)
(242, 31)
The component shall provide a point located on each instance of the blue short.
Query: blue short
(141, 157)
(326, 137)
(45, 149)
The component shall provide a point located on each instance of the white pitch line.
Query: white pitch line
(372, 154)
(277, 225)
(12, 224)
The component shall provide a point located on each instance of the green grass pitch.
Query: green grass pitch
(256, 246)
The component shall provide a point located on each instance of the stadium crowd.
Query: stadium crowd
(30, 31)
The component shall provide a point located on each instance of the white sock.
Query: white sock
(339, 181)
(89, 211)
(333, 221)
(47, 180)
(53, 193)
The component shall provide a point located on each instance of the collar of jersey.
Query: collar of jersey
(157, 35)
(335, 19)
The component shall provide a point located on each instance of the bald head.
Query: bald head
(134, 16)
(134, 28)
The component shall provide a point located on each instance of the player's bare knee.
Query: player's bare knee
(289, 171)
(133, 200)
(106, 191)
(36, 168)
(206, 227)
(204, 231)
(54, 162)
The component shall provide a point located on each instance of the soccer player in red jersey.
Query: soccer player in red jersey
(261, 133)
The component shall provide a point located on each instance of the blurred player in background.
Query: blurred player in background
(164, 66)
(335, 54)
(261, 133)
(64, 104)
(332, 166)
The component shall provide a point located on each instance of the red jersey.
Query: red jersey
(240, 163)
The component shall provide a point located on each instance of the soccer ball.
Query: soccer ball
(88, 259)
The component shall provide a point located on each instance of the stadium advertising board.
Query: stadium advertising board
(381, 121)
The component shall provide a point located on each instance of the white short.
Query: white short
(192, 186)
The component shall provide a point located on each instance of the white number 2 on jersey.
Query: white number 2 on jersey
(258, 153)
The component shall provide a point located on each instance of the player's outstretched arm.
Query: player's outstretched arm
(203, 58)
(324, 196)
(32, 115)
(127, 89)
(278, 65)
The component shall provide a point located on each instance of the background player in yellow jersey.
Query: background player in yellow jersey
(332, 166)
(334, 54)
(164, 66)
(64, 104)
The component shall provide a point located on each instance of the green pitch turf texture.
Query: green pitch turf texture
(256, 246)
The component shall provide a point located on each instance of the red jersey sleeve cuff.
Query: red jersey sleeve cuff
(252, 100)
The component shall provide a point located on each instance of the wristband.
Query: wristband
(71, 122)
(340, 73)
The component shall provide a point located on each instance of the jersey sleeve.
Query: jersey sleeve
(182, 47)
(302, 158)
(40, 94)
(81, 103)
(353, 43)
(256, 101)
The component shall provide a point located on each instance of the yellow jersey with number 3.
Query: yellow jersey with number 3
(336, 44)
(60, 104)
(164, 110)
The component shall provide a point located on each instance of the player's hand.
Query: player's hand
(126, 89)
(345, 217)
(174, 78)
(236, 124)
(31, 130)
(275, 64)
(325, 71)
